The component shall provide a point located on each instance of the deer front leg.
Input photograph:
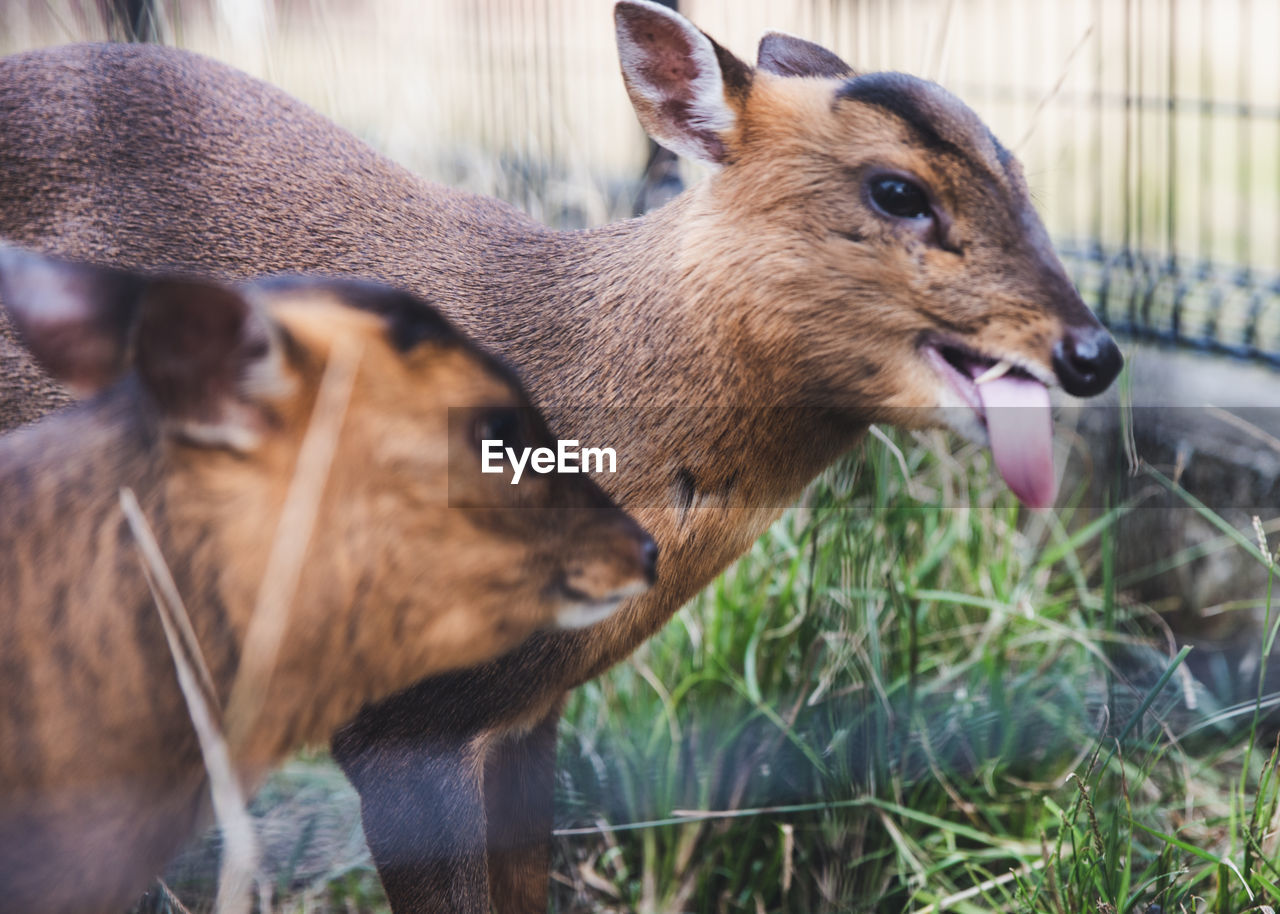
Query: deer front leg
(519, 793)
(422, 808)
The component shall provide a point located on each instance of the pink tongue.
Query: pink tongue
(1021, 431)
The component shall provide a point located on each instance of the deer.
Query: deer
(200, 399)
(863, 251)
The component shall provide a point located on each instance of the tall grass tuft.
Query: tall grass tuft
(887, 705)
(890, 705)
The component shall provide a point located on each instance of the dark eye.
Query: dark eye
(900, 198)
(500, 424)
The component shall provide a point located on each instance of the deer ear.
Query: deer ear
(204, 355)
(787, 55)
(208, 358)
(75, 319)
(686, 89)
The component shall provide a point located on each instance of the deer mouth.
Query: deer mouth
(580, 610)
(1011, 407)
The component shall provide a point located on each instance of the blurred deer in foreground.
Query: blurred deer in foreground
(864, 251)
(205, 398)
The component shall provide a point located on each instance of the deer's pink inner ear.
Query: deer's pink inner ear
(74, 318)
(665, 56)
(675, 78)
(787, 55)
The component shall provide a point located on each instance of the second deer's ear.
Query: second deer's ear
(787, 55)
(686, 89)
(208, 357)
(74, 318)
(201, 351)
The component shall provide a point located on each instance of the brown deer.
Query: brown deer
(203, 399)
(865, 250)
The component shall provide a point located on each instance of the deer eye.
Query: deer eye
(899, 198)
(502, 424)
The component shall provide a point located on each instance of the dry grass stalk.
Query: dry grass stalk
(165, 590)
(241, 854)
(240, 845)
(172, 900)
(936, 61)
(1245, 426)
(913, 488)
(1057, 87)
(270, 617)
(982, 888)
(788, 857)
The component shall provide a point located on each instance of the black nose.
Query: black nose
(1086, 361)
(649, 558)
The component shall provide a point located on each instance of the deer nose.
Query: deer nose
(1086, 361)
(649, 558)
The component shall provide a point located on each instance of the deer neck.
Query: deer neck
(627, 340)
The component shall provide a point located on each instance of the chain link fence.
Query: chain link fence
(1149, 129)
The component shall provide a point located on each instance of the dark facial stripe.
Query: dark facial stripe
(410, 320)
(1003, 156)
(898, 94)
(902, 95)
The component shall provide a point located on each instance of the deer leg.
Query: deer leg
(422, 808)
(519, 793)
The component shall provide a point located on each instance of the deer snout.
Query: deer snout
(1086, 360)
(649, 559)
(623, 563)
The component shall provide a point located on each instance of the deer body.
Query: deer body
(596, 321)
(101, 775)
(729, 345)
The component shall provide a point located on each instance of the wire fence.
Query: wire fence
(1149, 129)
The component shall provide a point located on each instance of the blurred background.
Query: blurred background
(888, 705)
(1149, 129)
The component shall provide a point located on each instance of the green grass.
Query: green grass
(912, 708)
(885, 705)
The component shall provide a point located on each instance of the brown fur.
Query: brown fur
(731, 344)
(101, 777)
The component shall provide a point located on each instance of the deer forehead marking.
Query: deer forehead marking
(940, 121)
